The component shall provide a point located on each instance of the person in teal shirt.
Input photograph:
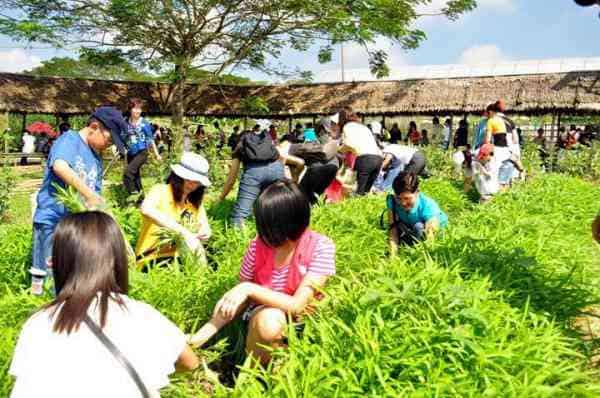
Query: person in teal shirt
(413, 216)
(310, 134)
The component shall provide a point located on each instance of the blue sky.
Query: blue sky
(497, 31)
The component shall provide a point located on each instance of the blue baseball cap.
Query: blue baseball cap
(113, 120)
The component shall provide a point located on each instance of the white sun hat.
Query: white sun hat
(335, 118)
(192, 167)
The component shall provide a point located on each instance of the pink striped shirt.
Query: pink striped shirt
(322, 264)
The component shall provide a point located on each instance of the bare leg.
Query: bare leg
(266, 328)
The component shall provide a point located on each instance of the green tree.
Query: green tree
(82, 68)
(217, 35)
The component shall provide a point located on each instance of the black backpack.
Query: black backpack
(258, 148)
(313, 152)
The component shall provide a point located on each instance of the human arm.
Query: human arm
(187, 360)
(393, 235)
(431, 227)
(386, 160)
(234, 169)
(63, 171)
(155, 150)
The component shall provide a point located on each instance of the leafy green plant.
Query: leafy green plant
(6, 185)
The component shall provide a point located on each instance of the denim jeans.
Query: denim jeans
(385, 181)
(43, 236)
(255, 178)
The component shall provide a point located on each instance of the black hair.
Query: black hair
(309, 125)
(436, 120)
(195, 197)
(412, 125)
(406, 182)
(282, 213)
(236, 128)
(64, 127)
(88, 257)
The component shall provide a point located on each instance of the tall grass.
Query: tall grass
(483, 310)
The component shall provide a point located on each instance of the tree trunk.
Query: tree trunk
(179, 105)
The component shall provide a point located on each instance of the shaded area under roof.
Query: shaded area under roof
(573, 92)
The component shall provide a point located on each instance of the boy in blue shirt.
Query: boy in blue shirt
(413, 216)
(74, 160)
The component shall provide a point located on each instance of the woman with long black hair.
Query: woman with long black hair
(93, 340)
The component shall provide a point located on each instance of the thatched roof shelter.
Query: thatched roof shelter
(570, 93)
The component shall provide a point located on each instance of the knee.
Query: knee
(269, 324)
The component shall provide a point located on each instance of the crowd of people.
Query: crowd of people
(284, 268)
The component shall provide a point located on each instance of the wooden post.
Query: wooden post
(383, 121)
(290, 122)
(314, 120)
(24, 121)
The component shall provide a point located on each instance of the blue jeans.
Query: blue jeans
(419, 230)
(505, 173)
(43, 236)
(384, 184)
(255, 178)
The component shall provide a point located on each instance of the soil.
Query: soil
(588, 325)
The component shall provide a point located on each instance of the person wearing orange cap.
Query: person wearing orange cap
(485, 171)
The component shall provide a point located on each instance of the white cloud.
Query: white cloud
(484, 54)
(18, 60)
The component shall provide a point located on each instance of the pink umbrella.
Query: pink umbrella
(39, 128)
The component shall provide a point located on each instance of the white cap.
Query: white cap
(192, 167)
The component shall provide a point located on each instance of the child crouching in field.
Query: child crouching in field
(412, 215)
(283, 270)
(485, 170)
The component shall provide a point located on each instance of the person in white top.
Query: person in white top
(28, 146)
(397, 158)
(358, 139)
(485, 171)
(59, 355)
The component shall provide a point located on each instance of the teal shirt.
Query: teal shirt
(423, 211)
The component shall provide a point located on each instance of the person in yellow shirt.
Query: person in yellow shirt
(176, 206)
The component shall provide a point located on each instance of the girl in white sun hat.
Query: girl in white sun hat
(177, 206)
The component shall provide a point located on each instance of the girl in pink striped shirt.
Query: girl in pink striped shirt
(284, 268)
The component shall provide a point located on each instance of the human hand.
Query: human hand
(94, 202)
(229, 304)
(204, 235)
(159, 158)
(191, 241)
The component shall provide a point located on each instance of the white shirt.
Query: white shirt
(446, 134)
(47, 364)
(28, 143)
(401, 152)
(360, 139)
(487, 185)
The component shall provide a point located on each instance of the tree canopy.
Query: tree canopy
(219, 36)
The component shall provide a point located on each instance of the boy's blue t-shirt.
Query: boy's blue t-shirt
(424, 210)
(86, 163)
(139, 137)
